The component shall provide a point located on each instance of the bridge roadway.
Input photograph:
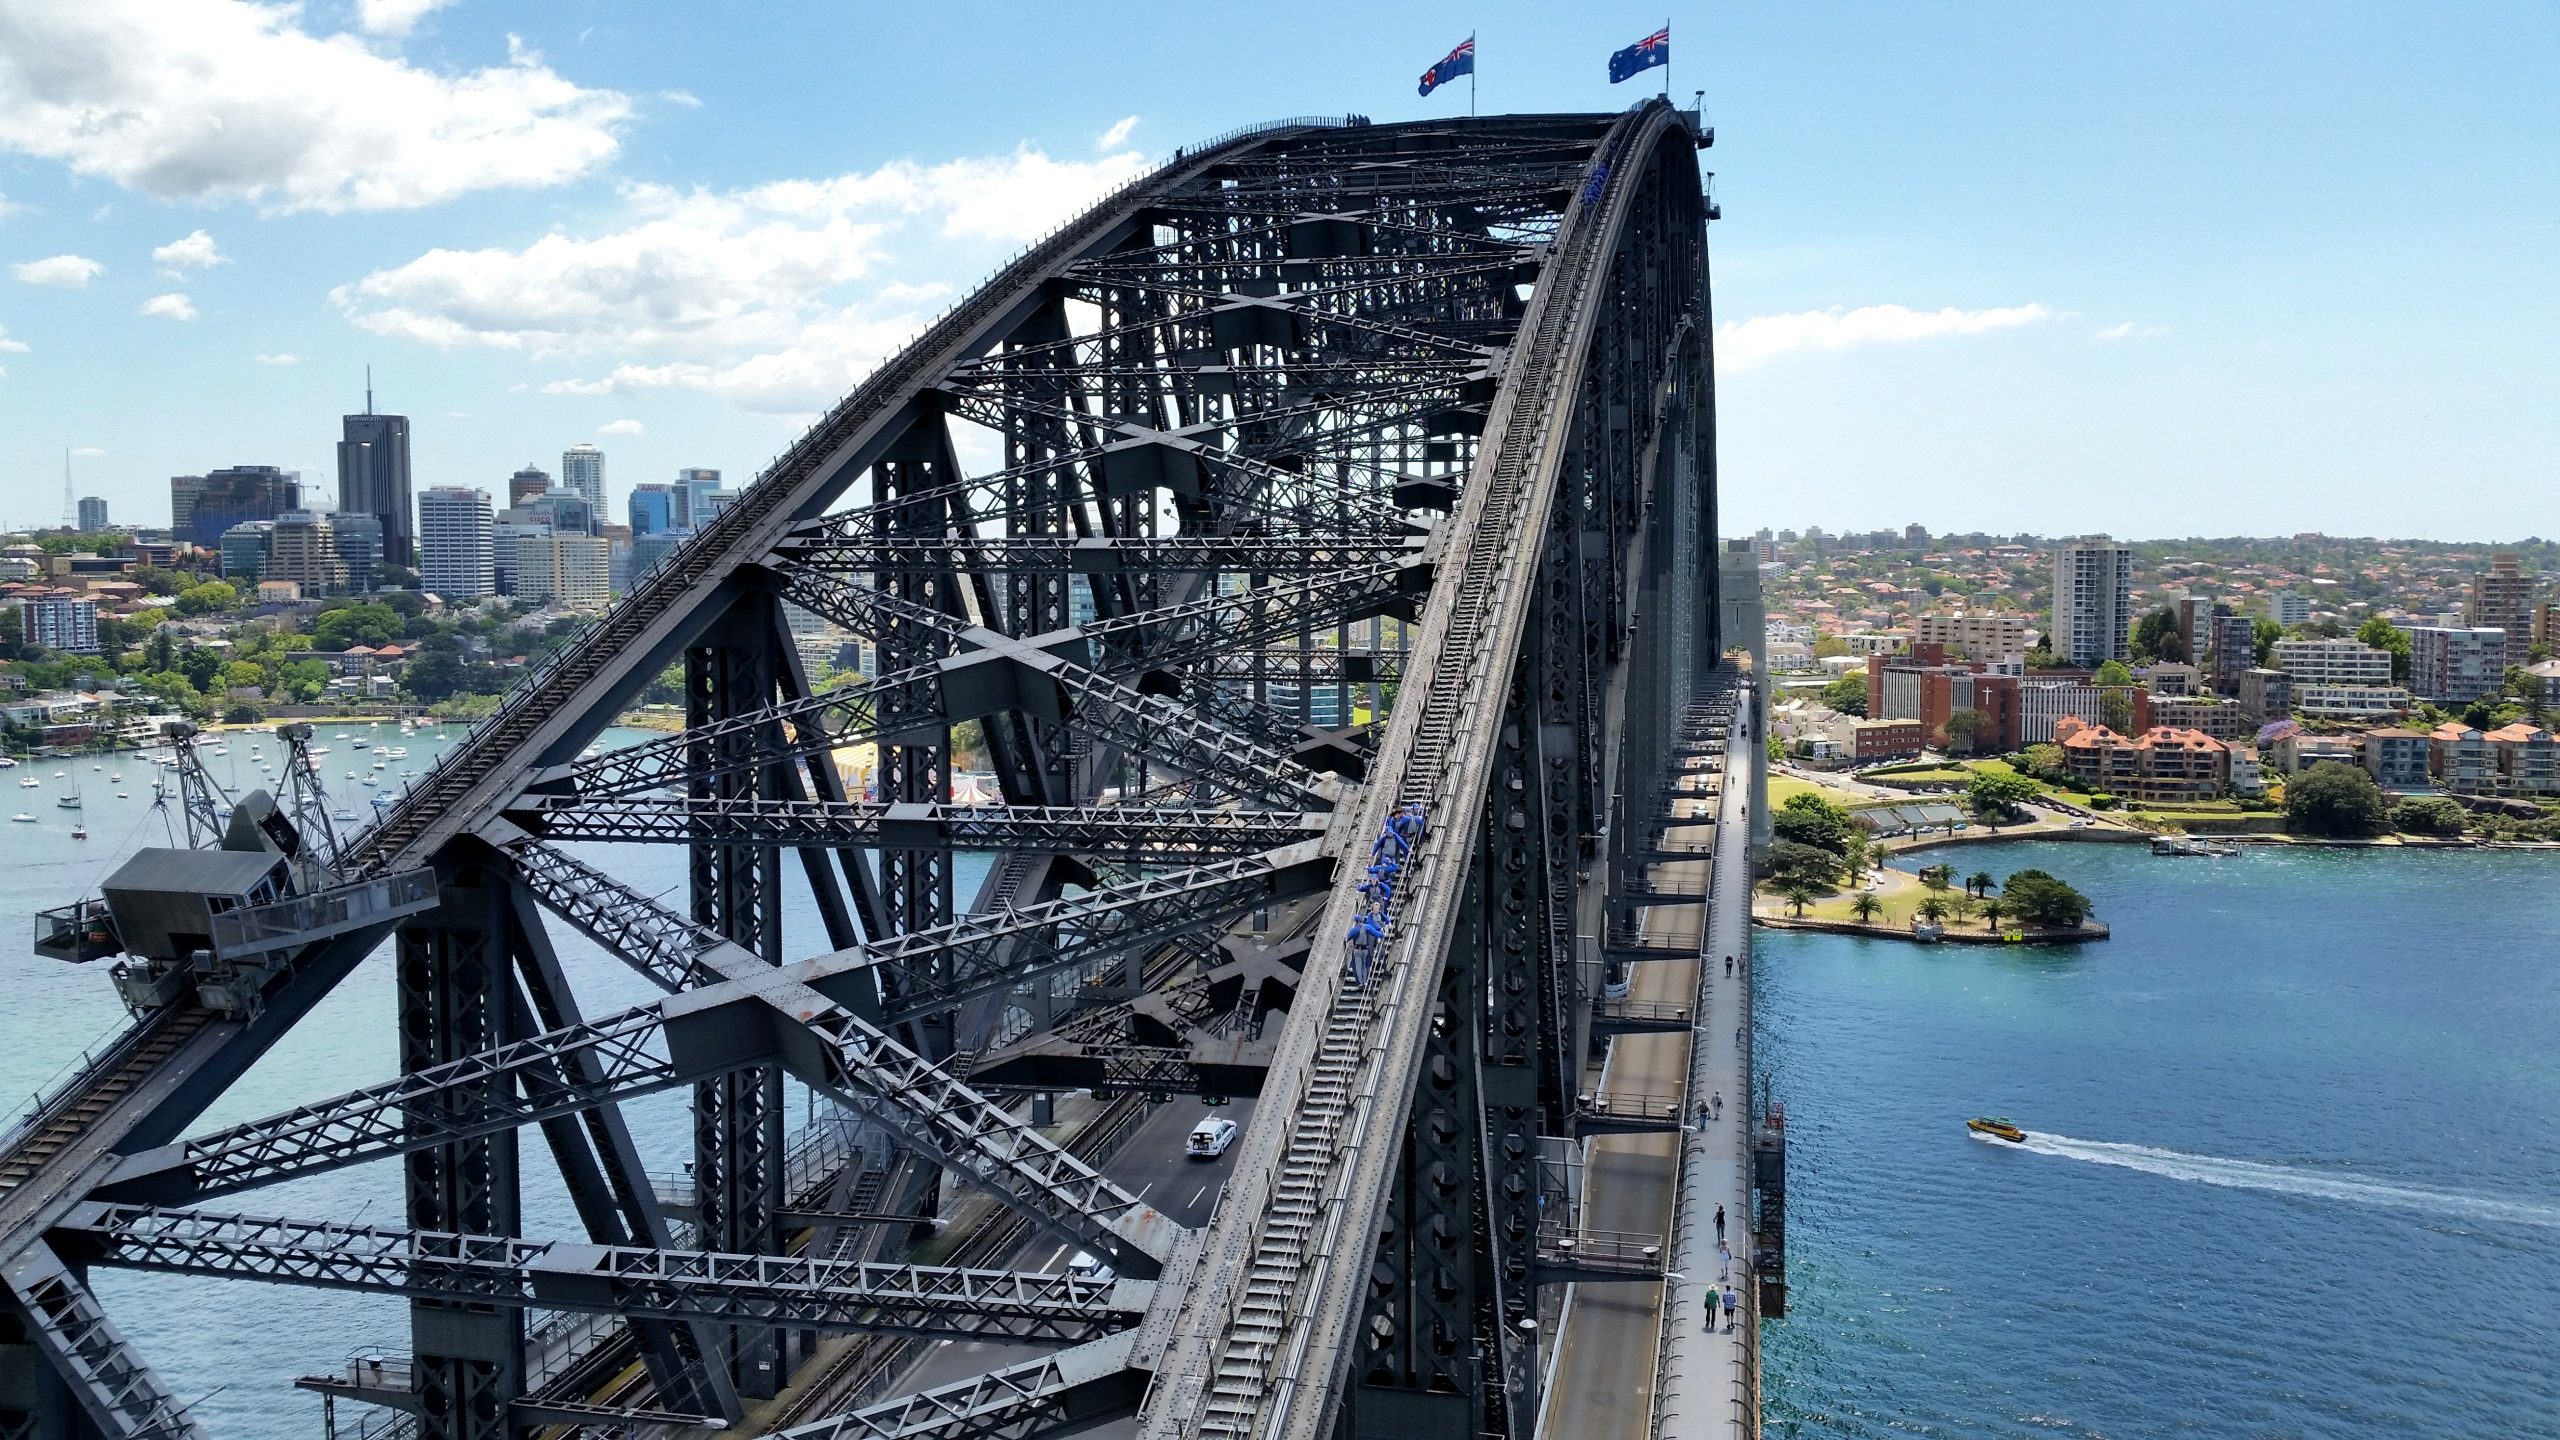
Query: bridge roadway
(1603, 1378)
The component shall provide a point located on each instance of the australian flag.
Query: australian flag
(1652, 50)
(1461, 61)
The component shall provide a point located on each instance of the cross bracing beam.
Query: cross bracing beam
(761, 1013)
(929, 1300)
(1141, 835)
(1055, 1395)
(1002, 676)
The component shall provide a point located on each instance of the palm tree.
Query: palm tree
(1932, 908)
(1865, 907)
(1798, 895)
(1992, 910)
(1938, 877)
(1981, 884)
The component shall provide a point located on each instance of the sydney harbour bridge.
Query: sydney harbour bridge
(1331, 585)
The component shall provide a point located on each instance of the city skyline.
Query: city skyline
(1915, 292)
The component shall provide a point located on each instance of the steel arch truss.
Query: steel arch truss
(1329, 469)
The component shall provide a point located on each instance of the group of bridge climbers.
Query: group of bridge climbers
(1388, 855)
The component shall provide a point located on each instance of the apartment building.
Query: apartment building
(2365, 703)
(2219, 718)
(2503, 599)
(2456, 665)
(2092, 602)
(2333, 662)
(571, 570)
(1870, 741)
(2525, 759)
(2163, 765)
(2266, 696)
(2396, 758)
(2458, 756)
(1980, 634)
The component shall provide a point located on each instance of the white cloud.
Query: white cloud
(772, 297)
(1741, 345)
(225, 99)
(170, 307)
(622, 427)
(67, 272)
(14, 347)
(192, 251)
(277, 359)
(394, 17)
(685, 98)
(9, 207)
(1117, 135)
(88, 452)
(2131, 330)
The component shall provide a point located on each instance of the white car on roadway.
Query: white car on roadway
(1210, 1138)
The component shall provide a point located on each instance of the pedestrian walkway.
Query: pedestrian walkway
(1708, 1370)
(1604, 1372)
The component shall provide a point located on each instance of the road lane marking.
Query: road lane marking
(1196, 1194)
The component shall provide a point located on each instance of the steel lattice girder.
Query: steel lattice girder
(1151, 836)
(118, 1392)
(763, 1013)
(929, 1300)
(1054, 1395)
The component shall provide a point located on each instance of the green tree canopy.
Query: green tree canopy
(2381, 634)
(1794, 863)
(1848, 694)
(2263, 635)
(2041, 899)
(2156, 637)
(2428, 815)
(2112, 673)
(2334, 799)
(371, 623)
(1999, 795)
(1964, 729)
(206, 598)
(1809, 819)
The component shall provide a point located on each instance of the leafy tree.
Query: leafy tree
(436, 675)
(2045, 762)
(2156, 637)
(2428, 815)
(2481, 714)
(2041, 899)
(404, 603)
(2381, 634)
(2043, 658)
(2523, 684)
(1811, 820)
(2112, 672)
(370, 623)
(1998, 795)
(207, 598)
(1848, 694)
(1865, 908)
(1791, 862)
(1963, 729)
(2334, 799)
(304, 680)
(2263, 635)
(242, 713)
(1826, 646)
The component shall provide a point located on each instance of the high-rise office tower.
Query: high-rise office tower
(654, 508)
(582, 470)
(526, 484)
(360, 540)
(457, 542)
(203, 507)
(93, 514)
(373, 478)
(2092, 601)
(693, 485)
(2504, 598)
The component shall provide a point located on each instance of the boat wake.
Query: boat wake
(2294, 1180)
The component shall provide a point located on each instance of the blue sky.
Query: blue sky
(2155, 269)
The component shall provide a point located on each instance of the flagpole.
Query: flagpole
(1666, 57)
(1471, 76)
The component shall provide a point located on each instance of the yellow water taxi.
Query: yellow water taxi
(1997, 1125)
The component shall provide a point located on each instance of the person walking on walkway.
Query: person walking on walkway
(1719, 1105)
(1732, 1302)
(1728, 966)
(1724, 1261)
(1719, 1224)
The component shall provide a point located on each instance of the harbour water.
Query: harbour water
(2295, 1166)
(233, 1347)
